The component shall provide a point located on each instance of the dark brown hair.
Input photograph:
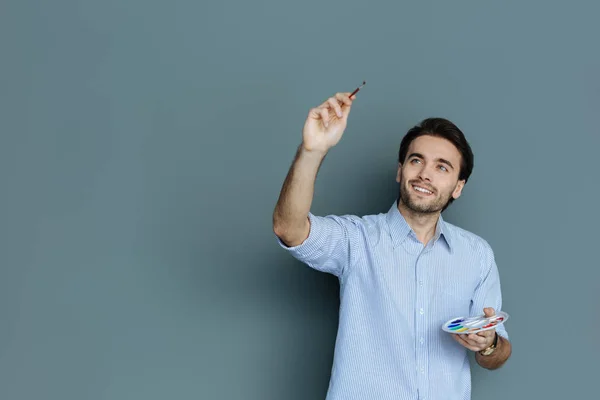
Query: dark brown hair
(445, 129)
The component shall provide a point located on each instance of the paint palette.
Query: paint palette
(464, 325)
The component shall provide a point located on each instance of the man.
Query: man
(402, 273)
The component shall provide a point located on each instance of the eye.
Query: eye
(443, 168)
(415, 160)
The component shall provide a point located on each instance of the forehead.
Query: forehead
(433, 147)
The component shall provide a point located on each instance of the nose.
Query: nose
(425, 173)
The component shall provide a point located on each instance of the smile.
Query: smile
(422, 190)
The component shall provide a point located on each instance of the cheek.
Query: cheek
(447, 189)
(407, 173)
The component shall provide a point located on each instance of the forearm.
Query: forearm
(295, 199)
(498, 357)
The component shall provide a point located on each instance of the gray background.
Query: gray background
(144, 145)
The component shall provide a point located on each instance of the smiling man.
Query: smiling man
(402, 273)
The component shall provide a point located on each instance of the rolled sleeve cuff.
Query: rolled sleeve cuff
(316, 238)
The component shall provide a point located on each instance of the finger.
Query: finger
(315, 113)
(464, 342)
(487, 334)
(344, 98)
(459, 339)
(476, 340)
(325, 103)
(482, 342)
(489, 311)
(324, 116)
(333, 103)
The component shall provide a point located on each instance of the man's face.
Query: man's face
(429, 175)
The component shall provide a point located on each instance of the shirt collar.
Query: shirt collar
(399, 228)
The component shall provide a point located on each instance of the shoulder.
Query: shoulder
(372, 227)
(469, 241)
(366, 222)
(367, 225)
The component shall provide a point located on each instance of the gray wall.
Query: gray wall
(144, 144)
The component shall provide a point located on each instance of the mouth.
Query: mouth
(421, 190)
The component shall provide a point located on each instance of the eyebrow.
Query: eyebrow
(440, 160)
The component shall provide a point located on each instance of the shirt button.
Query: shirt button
(421, 341)
(421, 311)
(420, 283)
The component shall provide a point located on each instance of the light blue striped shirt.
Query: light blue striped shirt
(395, 294)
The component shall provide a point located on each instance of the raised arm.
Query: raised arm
(322, 130)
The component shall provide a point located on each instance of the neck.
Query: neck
(423, 224)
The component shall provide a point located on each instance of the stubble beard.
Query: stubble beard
(428, 207)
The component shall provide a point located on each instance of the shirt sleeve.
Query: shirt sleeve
(331, 243)
(488, 293)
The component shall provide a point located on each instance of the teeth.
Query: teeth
(422, 190)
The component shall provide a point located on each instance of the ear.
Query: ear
(399, 173)
(458, 190)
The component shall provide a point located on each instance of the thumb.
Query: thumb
(489, 311)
